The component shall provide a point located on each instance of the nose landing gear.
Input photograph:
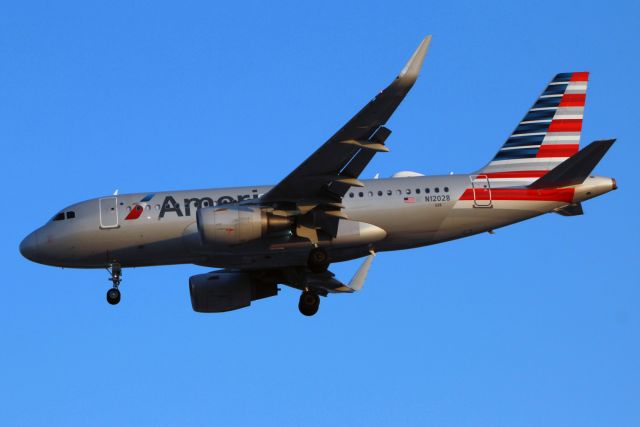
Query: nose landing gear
(113, 294)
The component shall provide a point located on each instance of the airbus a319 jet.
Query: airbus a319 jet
(263, 236)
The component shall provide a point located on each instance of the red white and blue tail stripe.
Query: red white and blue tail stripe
(547, 135)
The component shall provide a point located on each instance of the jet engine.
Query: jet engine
(223, 290)
(235, 224)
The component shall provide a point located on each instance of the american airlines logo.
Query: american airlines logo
(188, 206)
(138, 208)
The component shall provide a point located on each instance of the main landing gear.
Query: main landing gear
(113, 294)
(318, 260)
(309, 303)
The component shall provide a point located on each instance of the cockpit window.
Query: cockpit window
(62, 215)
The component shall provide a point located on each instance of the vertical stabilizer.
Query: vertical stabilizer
(548, 134)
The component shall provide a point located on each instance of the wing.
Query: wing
(342, 158)
(313, 191)
(327, 282)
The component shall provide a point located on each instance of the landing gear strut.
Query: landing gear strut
(318, 260)
(309, 303)
(113, 294)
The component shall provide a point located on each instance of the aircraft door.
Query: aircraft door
(109, 212)
(481, 191)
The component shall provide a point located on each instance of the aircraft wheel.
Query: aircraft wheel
(318, 261)
(309, 303)
(113, 296)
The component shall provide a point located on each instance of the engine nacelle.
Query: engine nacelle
(222, 290)
(235, 224)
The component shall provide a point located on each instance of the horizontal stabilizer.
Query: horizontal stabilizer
(576, 168)
(573, 209)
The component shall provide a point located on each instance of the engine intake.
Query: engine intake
(223, 290)
(234, 224)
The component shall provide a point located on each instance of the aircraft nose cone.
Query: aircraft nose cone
(29, 246)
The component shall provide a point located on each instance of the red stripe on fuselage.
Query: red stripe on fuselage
(557, 150)
(540, 195)
(516, 174)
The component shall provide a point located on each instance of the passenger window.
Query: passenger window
(380, 193)
(58, 217)
(446, 189)
(437, 190)
(148, 207)
(370, 193)
(205, 203)
(71, 215)
(351, 195)
(427, 190)
(157, 207)
(128, 208)
(399, 192)
(389, 192)
(408, 191)
(361, 194)
(417, 191)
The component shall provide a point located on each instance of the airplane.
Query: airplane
(322, 212)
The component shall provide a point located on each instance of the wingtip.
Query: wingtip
(412, 69)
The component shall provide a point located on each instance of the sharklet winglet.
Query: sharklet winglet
(411, 70)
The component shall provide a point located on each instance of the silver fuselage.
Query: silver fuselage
(163, 230)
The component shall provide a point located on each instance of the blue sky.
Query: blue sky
(535, 325)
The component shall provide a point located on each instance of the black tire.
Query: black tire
(318, 260)
(113, 296)
(309, 303)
